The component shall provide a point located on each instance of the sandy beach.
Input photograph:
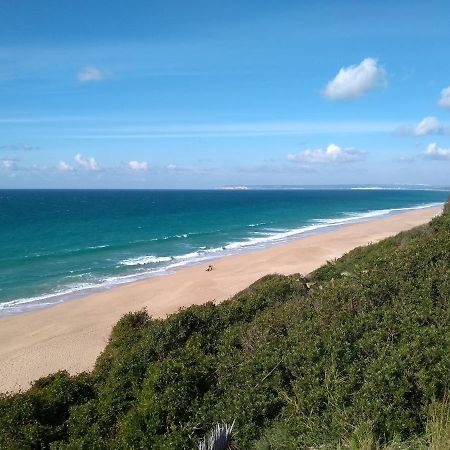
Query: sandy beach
(71, 335)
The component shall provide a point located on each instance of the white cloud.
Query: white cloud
(9, 164)
(435, 152)
(444, 101)
(87, 163)
(174, 168)
(89, 74)
(136, 165)
(355, 81)
(64, 167)
(428, 125)
(333, 154)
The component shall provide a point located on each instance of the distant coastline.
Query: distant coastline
(393, 187)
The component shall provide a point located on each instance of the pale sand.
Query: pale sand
(71, 335)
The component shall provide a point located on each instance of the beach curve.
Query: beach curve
(71, 335)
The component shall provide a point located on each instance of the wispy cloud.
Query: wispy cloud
(355, 81)
(64, 167)
(433, 151)
(9, 164)
(140, 130)
(18, 147)
(195, 170)
(137, 166)
(333, 154)
(276, 168)
(175, 168)
(89, 164)
(89, 74)
(444, 100)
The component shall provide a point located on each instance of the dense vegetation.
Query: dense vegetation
(355, 356)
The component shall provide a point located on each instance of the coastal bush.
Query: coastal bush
(356, 356)
(39, 416)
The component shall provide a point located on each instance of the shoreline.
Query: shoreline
(178, 262)
(70, 335)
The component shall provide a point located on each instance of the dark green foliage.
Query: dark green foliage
(363, 344)
(40, 415)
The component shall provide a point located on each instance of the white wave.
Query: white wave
(175, 236)
(123, 279)
(150, 259)
(352, 217)
(40, 298)
(72, 291)
(143, 260)
(278, 236)
(185, 262)
(282, 235)
(187, 255)
(356, 217)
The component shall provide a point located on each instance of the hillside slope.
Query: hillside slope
(357, 353)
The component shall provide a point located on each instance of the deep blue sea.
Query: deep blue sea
(58, 244)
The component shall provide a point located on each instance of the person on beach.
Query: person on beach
(210, 267)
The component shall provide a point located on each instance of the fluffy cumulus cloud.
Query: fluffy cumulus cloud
(9, 164)
(89, 74)
(433, 151)
(333, 154)
(138, 166)
(355, 81)
(64, 167)
(428, 125)
(444, 101)
(89, 164)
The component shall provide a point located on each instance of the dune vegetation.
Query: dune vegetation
(354, 356)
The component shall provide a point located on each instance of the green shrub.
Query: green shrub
(354, 357)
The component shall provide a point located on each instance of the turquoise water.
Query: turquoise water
(59, 244)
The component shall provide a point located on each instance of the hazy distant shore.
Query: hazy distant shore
(71, 335)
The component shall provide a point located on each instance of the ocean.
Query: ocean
(59, 244)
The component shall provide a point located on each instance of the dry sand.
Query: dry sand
(71, 335)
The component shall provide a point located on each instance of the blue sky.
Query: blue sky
(173, 94)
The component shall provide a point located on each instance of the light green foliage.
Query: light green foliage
(355, 357)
